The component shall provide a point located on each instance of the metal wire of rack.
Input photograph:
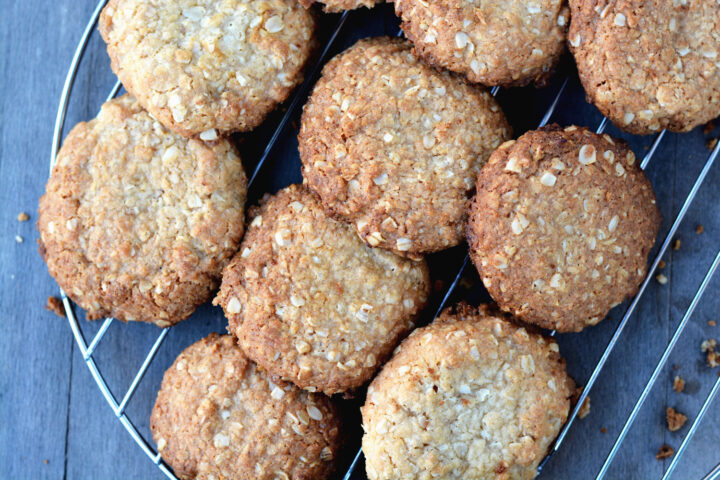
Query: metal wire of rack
(87, 350)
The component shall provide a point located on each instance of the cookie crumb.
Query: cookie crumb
(712, 323)
(662, 279)
(676, 244)
(55, 305)
(699, 229)
(675, 419)
(711, 143)
(23, 217)
(709, 127)
(19, 239)
(585, 409)
(676, 367)
(603, 430)
(713, 357)
(678, 384)
(666, 451)
(661, 264)
(46, 461)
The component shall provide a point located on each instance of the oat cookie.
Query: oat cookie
(494, 42)
(394, 146)
(332, 6)
(471, 396)
(650, 64)
(218, 66)
(219, 416)
(310, 302)
(561, 226)
(137, 222)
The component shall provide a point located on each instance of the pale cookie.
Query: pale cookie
(472, 396)
(208, 69)
(137, 222)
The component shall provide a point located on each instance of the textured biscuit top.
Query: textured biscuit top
(561, 226)
(217, 64)
(341, 5)
(217, 416)
(493, 42)
(310, 302)
(137, 222)
(472, 396)
(394, 146)
(650, 64)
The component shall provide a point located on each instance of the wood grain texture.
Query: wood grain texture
(51, 409)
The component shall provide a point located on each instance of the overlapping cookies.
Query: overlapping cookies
(403, 153)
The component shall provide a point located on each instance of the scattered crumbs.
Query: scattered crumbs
(55, 305)
(603, 430)
(666, 451)
(711, 143)
(23, 217)
(699, 229)
(713, 357)
(712, 323)
(676, 244)
(676, 367)
(662, 279)
(675, 419)
(46, 461)
(678, 384)
(585, 409)
(661, 264)
(709, 127)
(438, 285)
(18, 239)
(466, 283)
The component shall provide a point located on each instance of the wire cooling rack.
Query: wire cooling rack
(119, 408)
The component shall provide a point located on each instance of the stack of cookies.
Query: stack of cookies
(403, 153)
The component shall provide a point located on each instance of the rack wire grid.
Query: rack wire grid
(119, 408)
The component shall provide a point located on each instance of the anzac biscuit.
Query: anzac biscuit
(137, 222)
(561, 226)
(310, 302)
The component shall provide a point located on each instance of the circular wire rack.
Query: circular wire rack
(87, 349)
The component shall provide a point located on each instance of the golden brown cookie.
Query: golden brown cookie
(394, 146)
(561, 226)
(218, 415)
(649, 64)
(310, 302)
(218, 67)
(137, 222)
(331, 6)
(471, 396)
(494, 42)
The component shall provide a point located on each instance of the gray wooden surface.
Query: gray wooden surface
(54, 423)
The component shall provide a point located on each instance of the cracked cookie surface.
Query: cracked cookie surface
(137, 222)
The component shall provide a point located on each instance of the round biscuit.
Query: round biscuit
(137, 222)
(213, 68)
(394, 146)
(218, 415)
(649, 64)
(494, 42)
(471, 396)
(310, 302)
(561, 226)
